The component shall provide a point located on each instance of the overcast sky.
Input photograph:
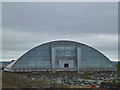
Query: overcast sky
(26, 25)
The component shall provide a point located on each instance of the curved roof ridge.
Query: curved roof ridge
(56, 41)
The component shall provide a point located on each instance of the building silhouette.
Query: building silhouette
(62, 56)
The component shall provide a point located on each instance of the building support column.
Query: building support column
(78, 59)
(53, 58)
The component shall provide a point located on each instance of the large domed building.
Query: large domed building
(62, 56)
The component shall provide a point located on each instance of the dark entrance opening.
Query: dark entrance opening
(66, 65)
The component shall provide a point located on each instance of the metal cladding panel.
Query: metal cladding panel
(53, 58)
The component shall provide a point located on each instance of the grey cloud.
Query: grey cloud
(64, 17)
(26, 25)
(106, 43)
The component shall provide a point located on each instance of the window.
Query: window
(66, 65)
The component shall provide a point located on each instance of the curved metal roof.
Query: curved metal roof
(61, 42)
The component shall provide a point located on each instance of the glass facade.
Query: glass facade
(94, 59)
(37, 58)
(40, 57)
(65, 52)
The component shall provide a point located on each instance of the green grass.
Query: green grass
(17, 80)
(23, 80)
